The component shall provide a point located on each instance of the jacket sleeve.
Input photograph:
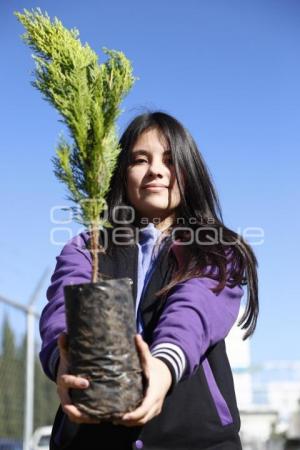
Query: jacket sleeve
(74, 266)
(193, 319)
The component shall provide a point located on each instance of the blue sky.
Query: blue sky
(229, 71)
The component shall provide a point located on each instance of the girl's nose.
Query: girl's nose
(156, 168)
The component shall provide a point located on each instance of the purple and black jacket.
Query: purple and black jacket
(186, 330)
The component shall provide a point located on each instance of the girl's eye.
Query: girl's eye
(138, 161)
(168, 161)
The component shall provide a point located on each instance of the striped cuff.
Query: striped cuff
(173, 356)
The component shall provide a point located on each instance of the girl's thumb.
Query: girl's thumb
(142, 345)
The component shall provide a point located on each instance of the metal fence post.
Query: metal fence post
(29, 392)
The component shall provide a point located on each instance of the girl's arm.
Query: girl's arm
(194, 318)
(74, 266)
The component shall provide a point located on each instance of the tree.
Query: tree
(11, 405)
(12, 387)
(87, 95)
(46, 400)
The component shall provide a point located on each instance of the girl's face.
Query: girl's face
(151, 164)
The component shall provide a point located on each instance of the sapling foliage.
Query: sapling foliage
(87, 96)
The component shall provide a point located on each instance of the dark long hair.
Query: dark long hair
(199, 202)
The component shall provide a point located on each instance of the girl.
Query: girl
(187, 269)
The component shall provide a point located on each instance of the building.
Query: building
(267, 393)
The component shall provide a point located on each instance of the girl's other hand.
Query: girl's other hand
(65, 381)
(159, 380)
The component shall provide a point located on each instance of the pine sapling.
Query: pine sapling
(87, 96)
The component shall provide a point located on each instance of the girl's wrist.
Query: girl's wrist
(165, 374)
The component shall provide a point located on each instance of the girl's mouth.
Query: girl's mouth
(155, 188)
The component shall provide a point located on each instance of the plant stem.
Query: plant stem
(95, 253)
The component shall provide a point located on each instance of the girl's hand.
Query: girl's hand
(64, 382)
(159, 381)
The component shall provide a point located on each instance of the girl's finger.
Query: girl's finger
(72, 411)
(142, 345)
(143, 410)
(67, 381)
(77, 416)
(141, 420)
(64, 396)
